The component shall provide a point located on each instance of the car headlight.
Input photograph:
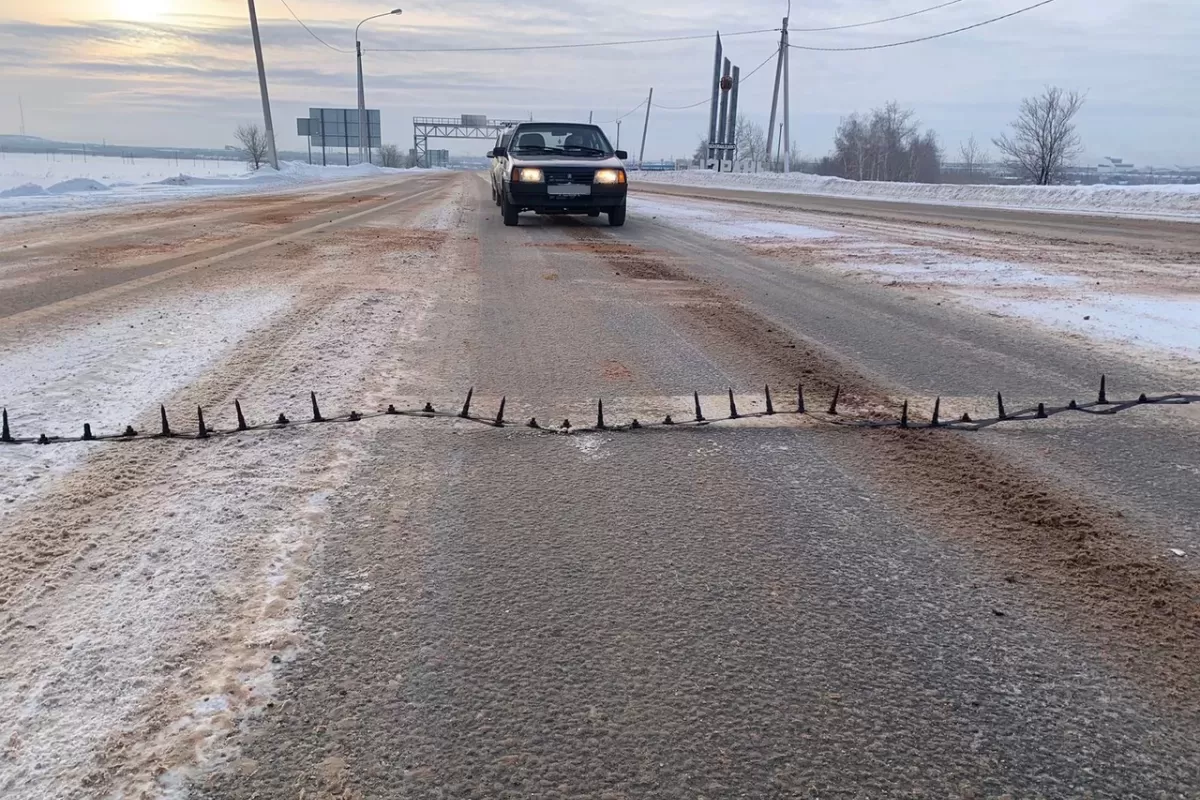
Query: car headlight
(528, 175)
(609, 176)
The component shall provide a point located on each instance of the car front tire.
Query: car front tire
(510, 212)
(616, 217)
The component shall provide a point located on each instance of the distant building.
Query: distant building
(1114, 168)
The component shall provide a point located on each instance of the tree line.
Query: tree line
(887, 144)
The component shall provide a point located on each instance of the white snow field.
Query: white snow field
(34, 183)
(1166, 201)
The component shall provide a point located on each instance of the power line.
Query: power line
(562, 46)
(876, 21)
(310, 30)
(923, 38)
(708, 99)
(623, 116)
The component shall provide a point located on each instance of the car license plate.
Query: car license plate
(569, 190)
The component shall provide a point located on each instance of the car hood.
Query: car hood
(549, 160)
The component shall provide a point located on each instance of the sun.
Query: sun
(141, 10)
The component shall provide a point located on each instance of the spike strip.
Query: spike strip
(466, 409)
(770, 405)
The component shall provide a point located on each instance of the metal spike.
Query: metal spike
(355, 416)
(770, 406)
(391, 409)
(1072, 405)
(1000, 403)
(499, 423)
(966, 418)
(166, 427)
(316, 410)
(937, 408)
(87, 432)
(237, 406)
(800, 399)
(837, 392)
(282, 420)
(201, 430)
(533, 423)
(904, 415)
(5, 434)
(429, 409)
(668, 420)
(43, 439)
(600, 416)
(635, 425)
(699, 413)
(129, 432)
(1142, 399)
(733, 414)
(1103, 390)
(566, 425)
(1041, 412)
(466, 409)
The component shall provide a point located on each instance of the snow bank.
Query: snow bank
(1159, 201)
(37, 183)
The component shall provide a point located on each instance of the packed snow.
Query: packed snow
(34, 183)
(1167, 201)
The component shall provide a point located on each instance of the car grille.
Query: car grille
(557, 176)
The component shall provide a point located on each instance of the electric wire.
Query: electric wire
(515, 48)
(875, 21)
(310, 30)
(923, 38)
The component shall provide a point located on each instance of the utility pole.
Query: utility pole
(775, 96)
(364, 127)
(787, 113)
(21, 106)
(262, 85)
(645, 127)
(618, 147)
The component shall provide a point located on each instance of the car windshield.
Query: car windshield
(572, 139)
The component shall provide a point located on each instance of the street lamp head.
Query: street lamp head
(396, 11)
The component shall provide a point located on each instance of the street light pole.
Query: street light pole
(364, 124)
(262, 85)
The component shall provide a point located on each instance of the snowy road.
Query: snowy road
(429, 608)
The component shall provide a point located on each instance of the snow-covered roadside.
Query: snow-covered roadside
(1061, 299)
(1171, 202)
(32, 186)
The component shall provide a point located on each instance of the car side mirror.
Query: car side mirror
(491, 153)
(621, 154)
(499, 152)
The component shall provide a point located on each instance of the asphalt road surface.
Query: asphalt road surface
(772, 607)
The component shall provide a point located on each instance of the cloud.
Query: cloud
(92, 77)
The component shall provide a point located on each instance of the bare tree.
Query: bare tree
(700, 157)
(972, 155)
(884, 145)
(1043, 138)
(390, 156)
(254, 144)
(751, 141)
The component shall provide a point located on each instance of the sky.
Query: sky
(181, 73)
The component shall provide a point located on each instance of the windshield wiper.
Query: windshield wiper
(596, 150)
(539, 148)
